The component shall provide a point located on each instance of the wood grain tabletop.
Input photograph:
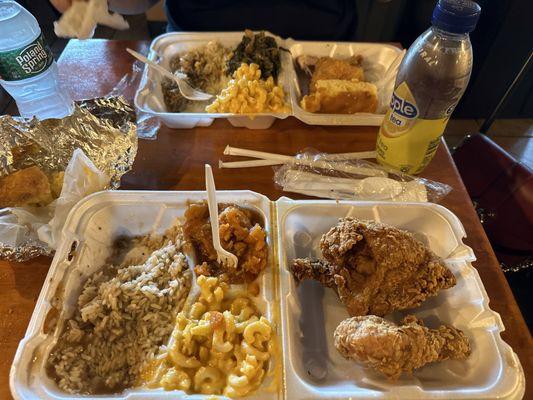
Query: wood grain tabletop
(176, 161)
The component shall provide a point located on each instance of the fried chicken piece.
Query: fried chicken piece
(375, 268)
(392, 349)
(237, 235)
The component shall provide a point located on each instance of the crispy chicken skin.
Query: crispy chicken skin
(392, 349)
(375, 268)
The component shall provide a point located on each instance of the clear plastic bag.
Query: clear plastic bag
(147, 125)
(344, 177)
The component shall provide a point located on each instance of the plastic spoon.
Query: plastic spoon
(223, 256)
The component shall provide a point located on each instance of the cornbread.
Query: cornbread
(336, 96)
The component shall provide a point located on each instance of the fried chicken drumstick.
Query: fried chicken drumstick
(392, 349)
(375, 268)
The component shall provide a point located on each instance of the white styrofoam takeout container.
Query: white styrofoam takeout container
(86, 243)
(314, 368)
(311, 366)
(376, 59)
(149, 97)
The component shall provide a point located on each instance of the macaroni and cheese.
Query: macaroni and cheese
(220, 346)
(248, 93)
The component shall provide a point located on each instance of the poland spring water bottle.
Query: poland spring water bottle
(28, 71)
(431, 80)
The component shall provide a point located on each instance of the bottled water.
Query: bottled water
(28, 71)
(431, 80)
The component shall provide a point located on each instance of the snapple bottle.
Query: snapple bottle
(431, 80)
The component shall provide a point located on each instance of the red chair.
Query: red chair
(502, 191)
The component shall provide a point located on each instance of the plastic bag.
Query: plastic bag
(81, 179)
(342, 177)
(147, 125)
(27, 232)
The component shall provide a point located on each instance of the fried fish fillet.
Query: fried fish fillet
(375, 268)
(393, 349)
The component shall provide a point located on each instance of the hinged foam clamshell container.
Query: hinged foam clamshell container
(305, 365)
(149, 97)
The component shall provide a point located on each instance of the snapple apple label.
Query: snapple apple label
(402, 107)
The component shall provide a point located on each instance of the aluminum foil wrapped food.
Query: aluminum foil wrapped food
(91, 149)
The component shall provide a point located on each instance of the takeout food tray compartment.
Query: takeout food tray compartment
(491, 371)
(377, 57)
(86, 243)
(293, 230)
(149, 96)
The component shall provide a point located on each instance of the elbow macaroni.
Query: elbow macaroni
(248, 93)
(221, 346)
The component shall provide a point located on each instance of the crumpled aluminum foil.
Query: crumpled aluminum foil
(104, 128)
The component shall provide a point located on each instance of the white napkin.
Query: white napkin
(80, 20)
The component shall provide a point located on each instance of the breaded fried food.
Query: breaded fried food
(331, 68)
(375, 268)
(393, 349)
(336, 96)
(27, 187)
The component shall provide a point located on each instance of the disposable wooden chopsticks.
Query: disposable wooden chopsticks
(266, 159)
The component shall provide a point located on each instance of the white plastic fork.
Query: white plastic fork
(186, 90)
(223, 256)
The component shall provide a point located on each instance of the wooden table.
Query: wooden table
(176, 161)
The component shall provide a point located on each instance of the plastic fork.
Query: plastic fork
(186, 90)
(223, 256)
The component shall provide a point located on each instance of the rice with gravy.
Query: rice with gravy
(124, 314)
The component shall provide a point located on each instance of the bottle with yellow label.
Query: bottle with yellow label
(431, 80)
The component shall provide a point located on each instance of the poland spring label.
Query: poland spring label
(26, 61)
